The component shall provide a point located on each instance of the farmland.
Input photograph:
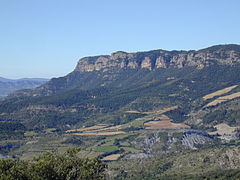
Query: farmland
(219, 92)
(156, 112)
(223, 99)
(116, 139)
(108, 130)
(167, 124)
(99, 133)
(96, 127)
(223, 129)
(112, 157)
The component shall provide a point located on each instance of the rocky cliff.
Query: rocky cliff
(221, 54)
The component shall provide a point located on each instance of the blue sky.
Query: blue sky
(46, 38)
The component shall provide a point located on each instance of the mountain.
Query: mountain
(122, 69)
(162, 77)
(8, 86)
(131, 106)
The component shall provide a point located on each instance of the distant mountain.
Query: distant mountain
(8, 86)
(7, 80)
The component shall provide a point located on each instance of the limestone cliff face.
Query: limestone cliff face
(221, 54)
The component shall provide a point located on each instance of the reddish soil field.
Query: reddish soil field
(165, 124)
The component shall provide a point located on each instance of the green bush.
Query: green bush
(51, 166)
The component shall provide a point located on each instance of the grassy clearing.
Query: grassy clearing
(100, 126)
(89, 154)
(107, 130)
(125, 144)
(155, 112)
(118, 127)
(219, 93)
(165, 124)
(223, 129)
(163, 118)
(112, 157)
(30, 133)
(50, 130)
(106, 149)
(136, 112)
(144, 119)
(131, 150)
(223, 99)
(99, 133)
(37, 146)
(136, 124)
(112, 139)
(109, 140)
(139, 122)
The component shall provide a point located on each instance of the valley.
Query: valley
(134, 108)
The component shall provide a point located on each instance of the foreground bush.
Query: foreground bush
(52, 166)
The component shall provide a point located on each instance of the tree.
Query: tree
(53, 166)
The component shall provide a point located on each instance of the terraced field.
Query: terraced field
(112, 157)
(223, 99)
(155, 112)
(100, 133)
(96, 127)
(116, 137)
(108, 130)
(219, 92)
(164, 122)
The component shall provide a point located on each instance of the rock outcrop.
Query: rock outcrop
(221, 54)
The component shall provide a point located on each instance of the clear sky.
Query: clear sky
(46, 38)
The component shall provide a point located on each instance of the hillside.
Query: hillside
(130, 106)
(212, 163)
(165, 78)
(121, 69)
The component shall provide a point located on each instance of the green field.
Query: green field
(105, 148)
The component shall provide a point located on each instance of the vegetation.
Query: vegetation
(106, 148)
(106, 113)
(52, 166)
(86, 106)
(210, 163)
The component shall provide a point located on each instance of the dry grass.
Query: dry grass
(135, 112)
(165, 125)
(163, 118)
(155, 112)
(223, 99)
(144, 119)
(164, 122)
(223, 129)
(166, 110)
(219, 93)
(106, 130)
(99, 133)
(112, 157)
(100, 126)
(118, 127)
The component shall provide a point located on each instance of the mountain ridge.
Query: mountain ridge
(122, 69)
(226, 54)
(80, 93)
